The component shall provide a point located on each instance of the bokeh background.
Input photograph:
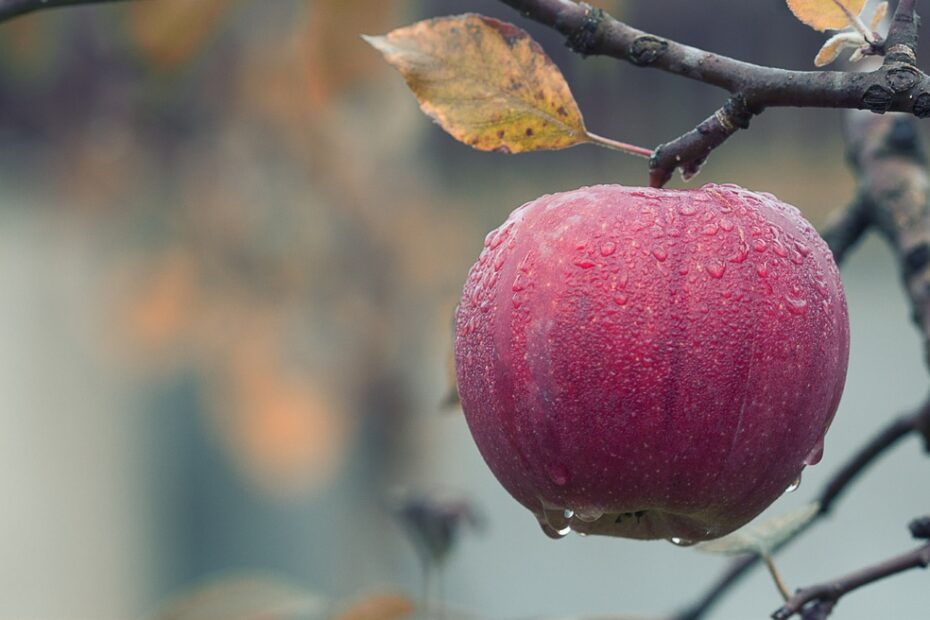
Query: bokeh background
(230, 247)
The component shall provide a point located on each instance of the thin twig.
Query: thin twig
(830, 592)
(620, 146)
(867, 455)
(856, 22)
(15, 8)
(776, 576)
(898, 85)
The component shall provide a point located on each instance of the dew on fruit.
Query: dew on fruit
(608, 248)
(794, 485)
(762, 269)
(759, 245)
(779, 249)
(681, 542)
(589, 515)
(716, 268)
(815, 455)
(621, 299)
(558, 474)
(553, 533)
(742, 253)
(802, 249)
(726, 224)
(660, 253)
(795, 305)
(584, 263)
(710, 229)
(687, 208)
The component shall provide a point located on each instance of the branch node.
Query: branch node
(647, 49)
(920, 528)
(901, 53)
(583, 40)
(877, 98)
(922, 105)
(902, 77)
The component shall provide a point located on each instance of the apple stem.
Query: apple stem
(776, 576)
(619, 146)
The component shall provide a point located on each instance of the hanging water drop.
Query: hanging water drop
(794, 485)
(553, 533)
(815, 455)
(588, 516)
(681, 542)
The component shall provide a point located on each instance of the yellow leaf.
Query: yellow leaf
(486, 82)
(835, 44)
(880, 11)
(825, 14)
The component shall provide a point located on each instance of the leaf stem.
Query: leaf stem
(856, 22)
(776, 576)
(619, 146)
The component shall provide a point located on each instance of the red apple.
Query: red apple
(651, 363)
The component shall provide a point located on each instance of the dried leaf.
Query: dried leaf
(486, 82)
(880, 11)
(834, 45)
(825, 14)
(763, 538)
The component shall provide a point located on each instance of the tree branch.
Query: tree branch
(841, 481)
(15, 8)
(898, 85)
(816, 602)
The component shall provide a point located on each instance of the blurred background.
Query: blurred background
(230, 247)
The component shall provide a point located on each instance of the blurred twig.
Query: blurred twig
(883, 441)
(816, 602)
(15, 8)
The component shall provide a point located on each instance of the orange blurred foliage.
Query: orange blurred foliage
(170, 32)
(285, 433)
(387, 606)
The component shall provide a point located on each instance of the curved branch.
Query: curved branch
(839, 483)
(15, 8)
(816, 602)
(898, 85)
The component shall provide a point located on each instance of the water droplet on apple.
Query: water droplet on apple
(621, 299)
(681, 542)
(568, 513)
(759, 245)
(588, 516)
(795, 305)
(794, 485)
(815, 455)
(762, 269)
(660, 253)
(558, 474)
(584, 263)
(553, 533)
(716, 268)
(687, 208)
(608, 248)
(802, 249)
